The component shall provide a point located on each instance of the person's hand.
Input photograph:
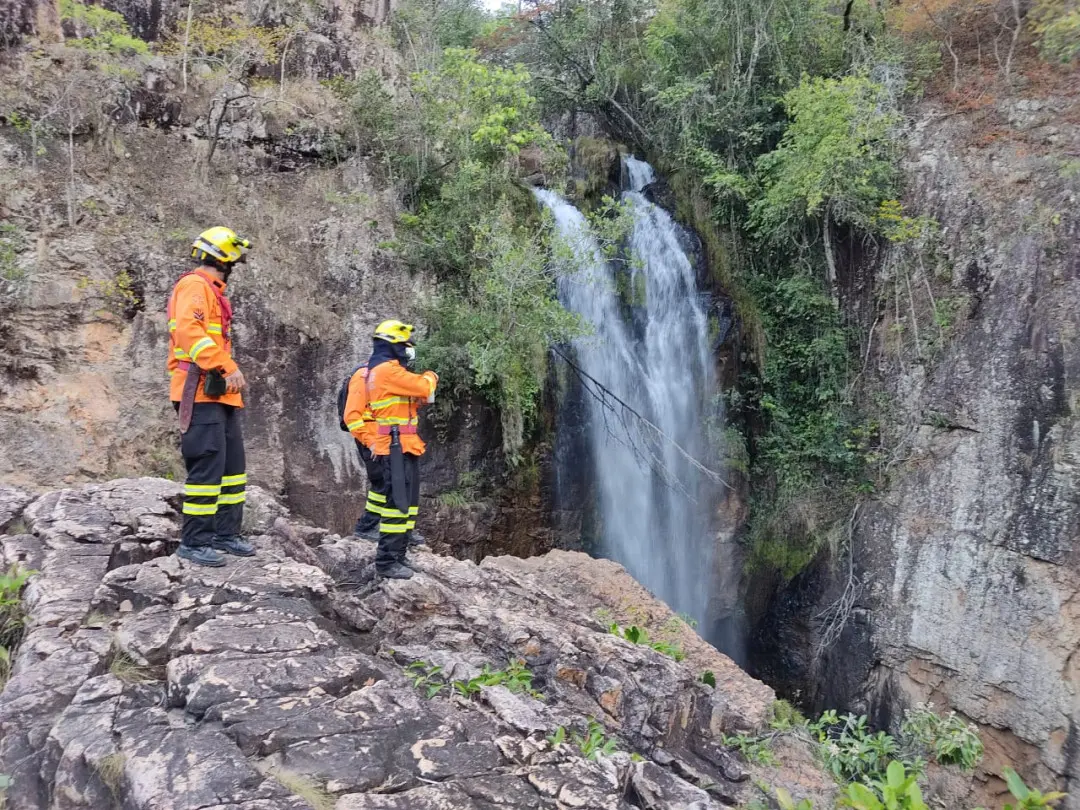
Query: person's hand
(235, 382)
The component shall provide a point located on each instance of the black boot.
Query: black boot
(200, 555)
(235, 545)
(395, 571)
(414, 538)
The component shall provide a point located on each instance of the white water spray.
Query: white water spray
(654, 506)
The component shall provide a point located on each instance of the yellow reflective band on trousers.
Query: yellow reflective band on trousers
(377, 497)
(202, 489)
(234, 480)
(200, 508)
(393, 528)
(375, 509)
(228, 500)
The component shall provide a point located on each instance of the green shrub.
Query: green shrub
(836, 157)
(1056, 25)
(106, 31)
(948, 739)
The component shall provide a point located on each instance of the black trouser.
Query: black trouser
(395, 523)
(214, 492)
(373, 509)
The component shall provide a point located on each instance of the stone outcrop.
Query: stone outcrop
(295, 679)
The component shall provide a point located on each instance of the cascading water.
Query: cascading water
(653, 503)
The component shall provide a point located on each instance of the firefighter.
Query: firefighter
(395, 395)
(206, 388)
(356, 417)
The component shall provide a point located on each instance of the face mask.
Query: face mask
(410, 354)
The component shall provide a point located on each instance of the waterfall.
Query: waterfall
(654, 506)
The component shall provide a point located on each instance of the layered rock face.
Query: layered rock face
(284, 681)
(967, 564)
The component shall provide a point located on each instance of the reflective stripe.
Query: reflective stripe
(230, 499)
(213, 328)
(397, 514)
(200, 509)
(178, 352)
(376, 510)
(392, 528)
(172, 325)
(375, 496)
(386, 403)
(359, 423)
(414, 511)
(200, 346)
(233, 480)
(397, 420)
(202, 489)
(410, 525)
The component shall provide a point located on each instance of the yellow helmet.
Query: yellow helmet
(395, 332)
(219, 243)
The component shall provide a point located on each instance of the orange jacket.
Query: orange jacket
(197, 334)
(394, 396)
(358, 417)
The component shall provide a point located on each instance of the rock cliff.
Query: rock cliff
(965, 566)
(295, 679)
(106, 174)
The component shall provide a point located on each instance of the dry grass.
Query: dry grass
(110, 770)
(304, 788)
(125, 668)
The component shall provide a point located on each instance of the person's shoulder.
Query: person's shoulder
(190, 281)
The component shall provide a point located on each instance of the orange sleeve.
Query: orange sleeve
(192, 313)
(403, 383)
(357, 404)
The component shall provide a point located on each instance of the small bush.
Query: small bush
(948, 739)
(639, 635)
(98, 29)
(516, 677)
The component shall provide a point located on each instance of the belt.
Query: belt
(404, 430)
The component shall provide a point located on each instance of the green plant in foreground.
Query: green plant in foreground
(755, 749)
(516, 677)
(424, 676)
(783, 798)
(1027, 799)
(12, 618)
(639, 635)
(898, 791)
(595, 742)
(852, 752)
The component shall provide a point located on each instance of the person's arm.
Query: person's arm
(403, 383)
(192, 313)
(356, 404)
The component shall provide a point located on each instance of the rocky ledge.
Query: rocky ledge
(295, 679)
